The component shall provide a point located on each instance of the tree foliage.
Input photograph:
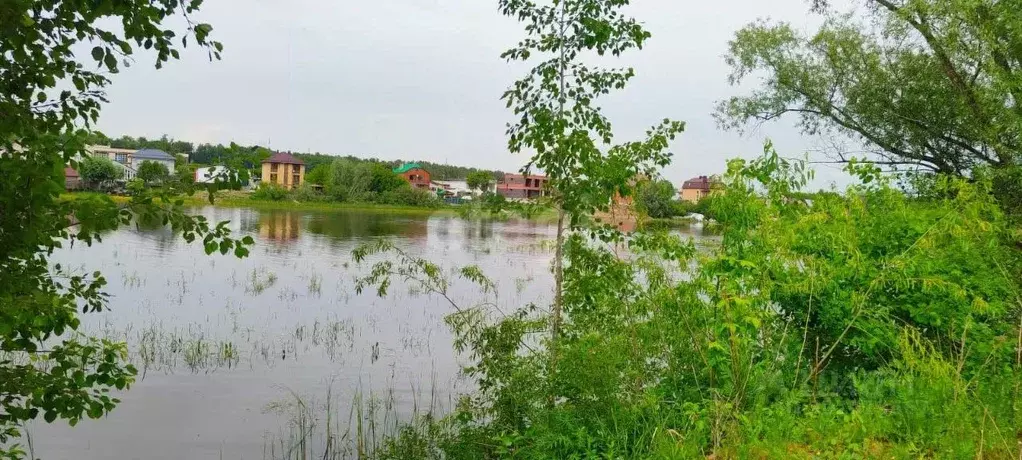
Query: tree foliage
(930, 84)
(479, 180)
(866, 320)
(49, 95)
(98, 172)
(152, 172)
(558, 118)
(863, 323)
(656, 198)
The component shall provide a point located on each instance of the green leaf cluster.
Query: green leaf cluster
(51, 98)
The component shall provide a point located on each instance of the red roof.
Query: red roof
(284, 157)
(70, 172)
(698, 183)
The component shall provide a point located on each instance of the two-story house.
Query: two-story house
(697, 188)
(283, 169)
(523, 187)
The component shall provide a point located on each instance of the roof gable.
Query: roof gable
(407, 167)
(285, 158)
(152, 154)
(699, 183)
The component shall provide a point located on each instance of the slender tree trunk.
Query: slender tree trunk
(555, 320)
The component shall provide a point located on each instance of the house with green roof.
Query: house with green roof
(414, 174)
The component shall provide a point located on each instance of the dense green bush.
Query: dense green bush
(408, 196)
(99, 172)
(349, 181)
(863, 324)
(307, 193)
(270, 192)
(656, 199)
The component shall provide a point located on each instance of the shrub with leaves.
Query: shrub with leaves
(269, 192)
(152, 172)
(50, 99)
(99, 172)
(866, 322)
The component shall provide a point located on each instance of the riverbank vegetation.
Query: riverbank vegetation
(249, 157)
(51, 96)
(880, 321)
(864, 324)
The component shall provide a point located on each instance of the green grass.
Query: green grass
(242, 200)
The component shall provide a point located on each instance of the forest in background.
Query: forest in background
(250, 156)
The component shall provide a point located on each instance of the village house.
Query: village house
(415, 175)
(124, 157)
(72, 180)
(283, 169)
(697, 188)
(522, 187)
(153, 155)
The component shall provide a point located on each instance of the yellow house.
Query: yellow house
(283, 169)
(697, 188)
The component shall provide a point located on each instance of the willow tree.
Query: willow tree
(558, 121)
(928, 84)
(50, 95)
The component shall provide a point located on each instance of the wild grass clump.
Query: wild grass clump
(865, 324)
(370, 426)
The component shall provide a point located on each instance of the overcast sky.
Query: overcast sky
(421, 79)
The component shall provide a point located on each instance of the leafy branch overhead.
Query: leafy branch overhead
(51, 97)
(935, 85)
(559, 122)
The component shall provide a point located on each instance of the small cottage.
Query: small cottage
(414, 174)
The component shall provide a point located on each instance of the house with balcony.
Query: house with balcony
(416, 176)
(124, 157)
(523, 187)
(284, 170)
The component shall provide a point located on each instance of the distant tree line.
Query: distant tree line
(250, 156)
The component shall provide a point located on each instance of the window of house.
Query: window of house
(296, 178)
(273, 167)
(273, 178)
(121, 158)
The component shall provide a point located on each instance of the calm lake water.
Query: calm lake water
(227, 347)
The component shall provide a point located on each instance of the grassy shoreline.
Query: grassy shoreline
(238, 200)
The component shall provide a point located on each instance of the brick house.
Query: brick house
(72, 180)
(414, 174)
(523, 187)
(697, 188)
(283, 169)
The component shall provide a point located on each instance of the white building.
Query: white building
(212, 174)
(459, 188)
(122, 156)
(153, 155)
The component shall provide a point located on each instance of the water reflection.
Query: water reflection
(281, 226)
(222, 337)
(162, 236)
(348, 225)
